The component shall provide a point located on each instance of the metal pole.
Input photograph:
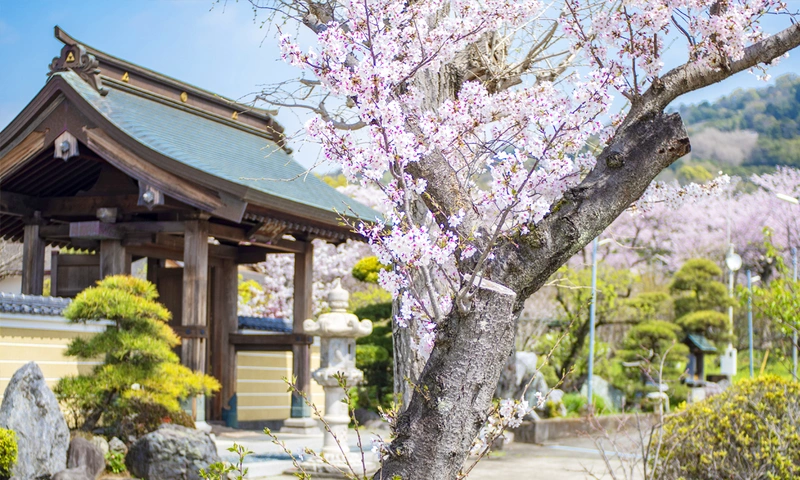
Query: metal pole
(730, 307)
(750, 319)
(794, 332)
(591, 323)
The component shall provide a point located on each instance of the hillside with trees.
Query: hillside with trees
(747, 130)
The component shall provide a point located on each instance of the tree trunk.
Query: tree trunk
(455, 390)
(408, 363)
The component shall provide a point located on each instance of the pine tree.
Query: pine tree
(139, 366)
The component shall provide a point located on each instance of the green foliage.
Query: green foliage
(575, 404)
(644, 349)
(8, 451)
(139, 368)
(748, 431)
(115, 462)
(773, 112)
(334, 181)
(695, 287)
(567, 339)
(225, 470)
(693, 174)
(709, 323)
(367, 269)
(373, 303)
(374, 358)
(780, 300)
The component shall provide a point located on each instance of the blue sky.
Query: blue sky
(212, 45)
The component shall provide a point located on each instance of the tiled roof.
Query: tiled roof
(278, 325)
(238, 154)
(32, 304)
(701, 343)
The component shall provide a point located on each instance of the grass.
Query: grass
(777, 364)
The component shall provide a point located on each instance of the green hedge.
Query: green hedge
(749, 431)
(8, 451)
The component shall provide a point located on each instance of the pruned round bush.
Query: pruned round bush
(749, 431)
(8, 451)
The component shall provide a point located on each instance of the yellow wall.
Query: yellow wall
(260, 389)
(45, 347)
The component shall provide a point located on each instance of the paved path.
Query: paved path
(569, 459)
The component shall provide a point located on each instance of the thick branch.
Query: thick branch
(624, 169)
(691, 76)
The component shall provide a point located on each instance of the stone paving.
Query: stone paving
(567, 459)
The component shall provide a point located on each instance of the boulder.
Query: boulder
(77, 473)
(117, 445)
(100, 443)
(603, 389)
(30, 409)
(171, 452)
(85, 454)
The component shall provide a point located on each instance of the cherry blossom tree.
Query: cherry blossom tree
(671, 236)
(491, 129)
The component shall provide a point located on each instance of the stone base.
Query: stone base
(301, 426)
(336, 464)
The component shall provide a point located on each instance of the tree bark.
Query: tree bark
(455, 390)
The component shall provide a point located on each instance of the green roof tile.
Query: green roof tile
(212, 147)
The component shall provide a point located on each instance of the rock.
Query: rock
(556, 396)
(100, 443)
(77, 473)
(31, 410)
(84, 453)
(117, 445)
(364, 416)
(171, 452)
(526, 365)
(612, 396)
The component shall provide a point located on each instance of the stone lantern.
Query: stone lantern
(338, 331)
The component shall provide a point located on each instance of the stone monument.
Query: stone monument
(338, 331)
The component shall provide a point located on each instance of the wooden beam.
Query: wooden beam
(29, 147)
(100, 230)
(32, 261)
(237, 234)
(178, 187)
(17, 204)
(113, 259)
(224, 321)
(195, 292)
(284, 341)
(303, 308)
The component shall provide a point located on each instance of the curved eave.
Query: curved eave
(37, 110)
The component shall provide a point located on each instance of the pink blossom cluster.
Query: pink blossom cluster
(704, 229)
(515, 151)
(630, 37)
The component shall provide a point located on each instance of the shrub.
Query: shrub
(367, 269)
(8, 451)
(140, 368)
(748, 431)
(140, 418)
(115, 462)
(575, 403)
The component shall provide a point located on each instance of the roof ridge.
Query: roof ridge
(67, 39)
(134, 90)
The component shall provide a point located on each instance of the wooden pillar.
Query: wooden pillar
(32, 261)
(195, 295)
(224, 320)
(301, 354)
(113, 259)
(153, 264)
